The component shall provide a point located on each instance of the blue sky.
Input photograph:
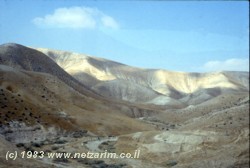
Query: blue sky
(192, 36)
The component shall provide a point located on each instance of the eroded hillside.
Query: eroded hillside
(157, 87)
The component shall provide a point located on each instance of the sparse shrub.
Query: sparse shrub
(172, 126)
(62, 160)
(105, 143)
(98, 161)
(29, 149)
(37, 145)
(60, 141)
(20, 145)
(9, 88)
(79, 134)
(82, 160)
(171, 163)
(54, 147)
(8, 132)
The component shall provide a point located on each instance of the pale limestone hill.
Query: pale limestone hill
(148, 86)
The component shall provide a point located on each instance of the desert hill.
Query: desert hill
(148, 86)
(25, 58)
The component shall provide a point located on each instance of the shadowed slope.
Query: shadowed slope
(21, 57)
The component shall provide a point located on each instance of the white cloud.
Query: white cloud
(76, 17)
(109, 22)
(233, 64)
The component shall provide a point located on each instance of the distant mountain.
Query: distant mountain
(148, 86)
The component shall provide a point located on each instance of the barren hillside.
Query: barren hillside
(158, 87)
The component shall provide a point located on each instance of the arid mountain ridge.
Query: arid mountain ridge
(99, 77)
(148, 86)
